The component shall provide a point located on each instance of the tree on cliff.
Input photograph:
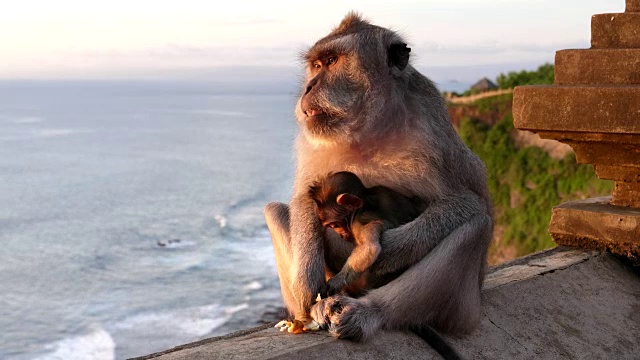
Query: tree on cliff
(543, 75)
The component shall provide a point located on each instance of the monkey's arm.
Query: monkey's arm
(406, 245)
(365, 252)
(307, 272)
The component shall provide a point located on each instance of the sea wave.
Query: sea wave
(221, 220)
(254, 285)
(224, 113)
(190, 322)
(26, 120)
(97, 344)
(46, 133)
(43, 133)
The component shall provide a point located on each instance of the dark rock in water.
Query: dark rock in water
(272, 314)
(168, 242)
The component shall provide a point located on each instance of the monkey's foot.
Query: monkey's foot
(346, 317)
(297, 326)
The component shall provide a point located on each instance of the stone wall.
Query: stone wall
(594, 106)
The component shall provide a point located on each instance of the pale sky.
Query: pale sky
(128, 38)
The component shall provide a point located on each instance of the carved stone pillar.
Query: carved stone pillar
(594, 106)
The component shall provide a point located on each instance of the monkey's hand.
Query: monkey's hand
(345, 277)
(346, 317)
(336, 284)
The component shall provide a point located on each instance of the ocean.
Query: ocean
(131, 214)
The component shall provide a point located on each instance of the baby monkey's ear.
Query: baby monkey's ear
(349, 201)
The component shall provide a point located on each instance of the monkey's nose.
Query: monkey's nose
(310, 85)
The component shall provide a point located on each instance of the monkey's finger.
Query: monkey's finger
(336, 307)
(319, 314)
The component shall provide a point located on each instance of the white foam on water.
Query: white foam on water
(43, 133)
(95, 345)
(27, 120)
(47, 133)
(221, 220)
(187, 322)
(225, 113)
(234, 309)
(254, 285)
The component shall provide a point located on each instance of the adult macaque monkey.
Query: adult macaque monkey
(365, 109)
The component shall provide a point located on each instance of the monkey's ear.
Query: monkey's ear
(349, 201)
(398, 55)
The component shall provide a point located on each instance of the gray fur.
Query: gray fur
(390, 127)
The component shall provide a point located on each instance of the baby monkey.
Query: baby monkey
(359, 215)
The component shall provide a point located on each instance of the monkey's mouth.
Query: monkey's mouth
(316, 115)
(313, 112)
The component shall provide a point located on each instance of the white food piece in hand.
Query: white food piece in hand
(311, 325)
(283, 323)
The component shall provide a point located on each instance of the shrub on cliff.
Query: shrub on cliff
(543, 75)
(526, 183)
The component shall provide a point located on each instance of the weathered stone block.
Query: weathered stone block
(591, 109)
(633, 6)
(615, 31)
(603, 152)
(621, 173)
(596, 224)
(597, 67)
(626, 194)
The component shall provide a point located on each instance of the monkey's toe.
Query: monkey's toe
(325, 309)
(319, 314)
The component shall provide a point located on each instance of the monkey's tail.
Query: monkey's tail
(437, 342)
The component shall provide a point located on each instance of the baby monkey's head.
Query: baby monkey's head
(338, 196)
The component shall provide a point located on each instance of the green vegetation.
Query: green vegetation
(524, 183)
(544, 75)
(497, 104)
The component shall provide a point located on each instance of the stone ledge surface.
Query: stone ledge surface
(597, 67)
(633, 6)
(615, 31)
(592, 109)
(559, 303)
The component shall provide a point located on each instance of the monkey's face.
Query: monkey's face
(336, 218)
(349, 91)
(331, 95)
(337, 198)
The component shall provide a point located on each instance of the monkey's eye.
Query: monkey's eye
(317, 65)
(333, 225)
(332, 60)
